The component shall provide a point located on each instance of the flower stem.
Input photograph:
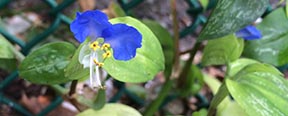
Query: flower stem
(154, 105)
(73, 87)
(176, 35)
(187, 66)
(59, 89)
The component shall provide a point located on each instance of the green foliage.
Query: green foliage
(194, 82)
(166, 42)
(95, 103)
(272, 48)
(149, 58)
(138, 90)
(204, 3)
(46, 64)
(75, 70)
(202, 112)
(227, 106)
(7, 57)
(230, 16)
(260, 89)
(238, 65)
(111, 109)
(256, 88)
(231, 108)
(223, 50)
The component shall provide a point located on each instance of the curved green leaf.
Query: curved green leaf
(46, 64)
(272, 48)
(166, 42)
(236, 66)
(111, 109)
(75, 70)
(7, 57)
(260, 90)
(230, 16)
(223, 50)
(149, 59)
(230, 108)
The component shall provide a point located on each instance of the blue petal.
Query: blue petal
(249, 33)
(124, 41)
(89, 23)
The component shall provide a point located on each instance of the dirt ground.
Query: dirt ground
(36, 97)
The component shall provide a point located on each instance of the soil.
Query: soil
(26, 93)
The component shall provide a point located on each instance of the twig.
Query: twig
(73, 88)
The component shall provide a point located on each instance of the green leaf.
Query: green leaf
(223, 50)
(212, 83)
(230, 16)
(236, 66)
(8, 64)
(46, 64)
(231, 107)
(75, 70)
(220, 92)
(111, 109)
(166, 42)
(6, 49)
(7, 57)
(149, 58)
(138, 90)
(286, 8)
(227, 106)
(202, 112)
(204, 3)
(260, 89)
(97, 102)
(272, 47)
(194, 82)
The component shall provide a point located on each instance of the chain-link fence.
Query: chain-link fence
(195, 10)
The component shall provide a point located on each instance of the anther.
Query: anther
(105, 46)
(107, 54)
(100, 64)
(95, 45)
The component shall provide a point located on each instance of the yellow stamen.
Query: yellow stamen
(100, 64)
(107, 54)
(95, 45)
(105, 46)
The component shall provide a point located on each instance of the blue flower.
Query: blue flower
(123, 39)
(249, 33)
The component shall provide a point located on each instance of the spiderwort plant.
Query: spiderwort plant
(106, 39)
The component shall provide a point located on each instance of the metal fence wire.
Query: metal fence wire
(195, 11)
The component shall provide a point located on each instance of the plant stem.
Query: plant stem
(71, 93)
(18, 55)
(63, 92)
(187, 66)
(73, 87)
(176, 36)
(154, 105)
(60, 90)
